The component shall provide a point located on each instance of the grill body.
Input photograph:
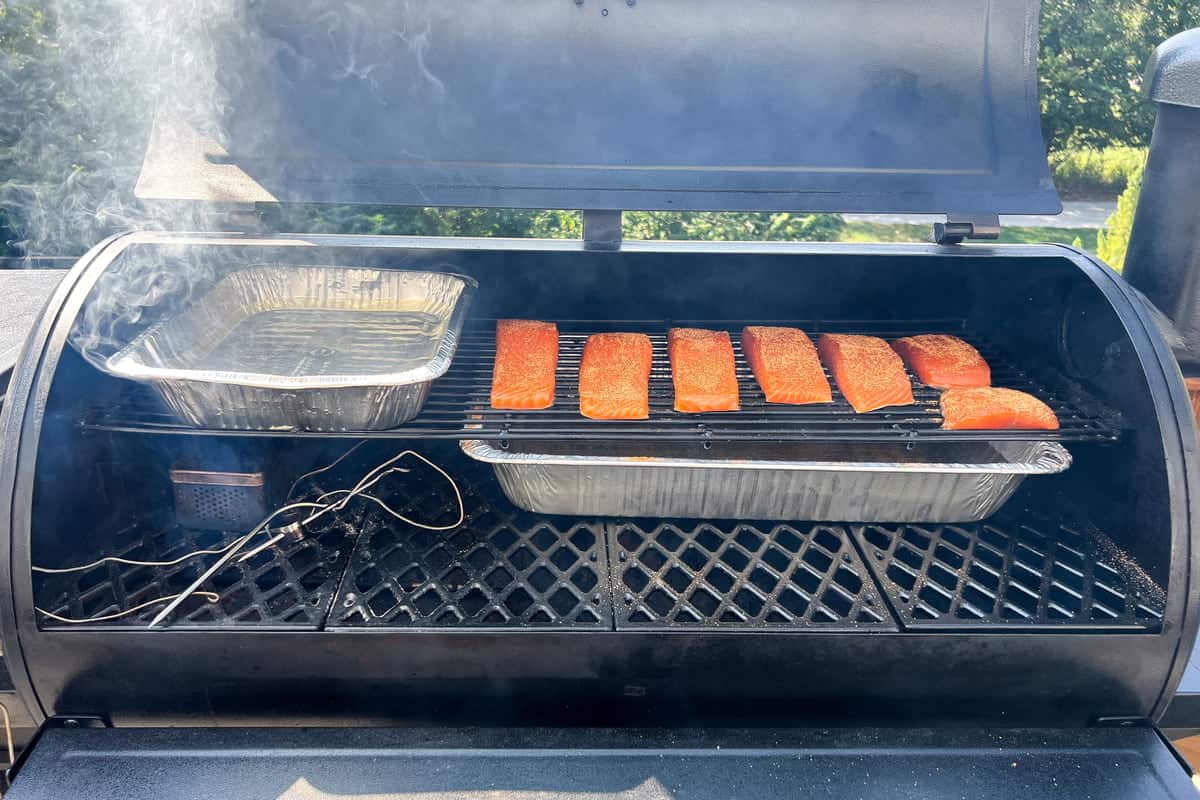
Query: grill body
(1031, 616)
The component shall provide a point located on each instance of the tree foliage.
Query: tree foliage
(1093, 53)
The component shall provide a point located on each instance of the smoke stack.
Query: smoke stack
(1163, 259)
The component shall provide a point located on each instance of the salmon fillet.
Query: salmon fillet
(867, 371)
(992, 408)
(786, 365)
(526, 358)
(702, 369)
(943, 361)
(1193, 390)
(614, 376)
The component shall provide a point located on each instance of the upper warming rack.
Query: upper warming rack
(458, 406)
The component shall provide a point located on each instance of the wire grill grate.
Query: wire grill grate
(458, 405)
(739, 575)
(501, 568)
(1008, 575)
(290, 585)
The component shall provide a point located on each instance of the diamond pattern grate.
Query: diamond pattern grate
(291, 585)
(1008, 575)
(731, 575)
(501, 568)
(505, 568)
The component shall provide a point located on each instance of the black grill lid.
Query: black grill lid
(802, 105)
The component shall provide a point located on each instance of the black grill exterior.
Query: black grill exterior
(711, 618)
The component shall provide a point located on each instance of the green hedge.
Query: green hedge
(1097, 173)
(1112, 242)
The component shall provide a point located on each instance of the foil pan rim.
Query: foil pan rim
(1038, 458)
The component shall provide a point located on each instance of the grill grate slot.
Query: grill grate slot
(1006, 574)
(458, 405)
(740, 576)
(501, 568)
(291, 585)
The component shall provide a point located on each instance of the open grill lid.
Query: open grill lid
(798, 105)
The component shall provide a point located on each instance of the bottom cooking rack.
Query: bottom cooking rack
(509, 569)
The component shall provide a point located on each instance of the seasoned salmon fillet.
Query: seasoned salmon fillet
(943, 361)
(992, 408)
(614, 376)
(702, 369)
(526, 358)
(868, 372)
(786, 365)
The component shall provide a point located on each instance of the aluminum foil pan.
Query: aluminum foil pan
(847, 483)
(303, 348)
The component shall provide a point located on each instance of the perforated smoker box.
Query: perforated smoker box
(218, 501)
(522, 653)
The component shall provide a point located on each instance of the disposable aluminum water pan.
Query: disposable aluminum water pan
(850, 483)
(304, 348)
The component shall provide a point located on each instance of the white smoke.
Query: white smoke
(80, 97)
(77, 116)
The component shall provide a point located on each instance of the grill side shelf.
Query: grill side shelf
(458, 405)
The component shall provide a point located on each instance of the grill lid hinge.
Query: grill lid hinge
(250, 218)
(602, 230)
(966, 226)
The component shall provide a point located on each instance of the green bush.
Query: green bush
(711, 226)
(1112, 242)
(396, 220)
(733, 226)
(1090, 172)
(1093, 53)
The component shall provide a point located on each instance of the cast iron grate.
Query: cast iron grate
(289, 585)
(458, 405)
(740, 575)
(501, 567)
(1008, 574)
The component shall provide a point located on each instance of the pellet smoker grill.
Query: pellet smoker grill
(1022, 645)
